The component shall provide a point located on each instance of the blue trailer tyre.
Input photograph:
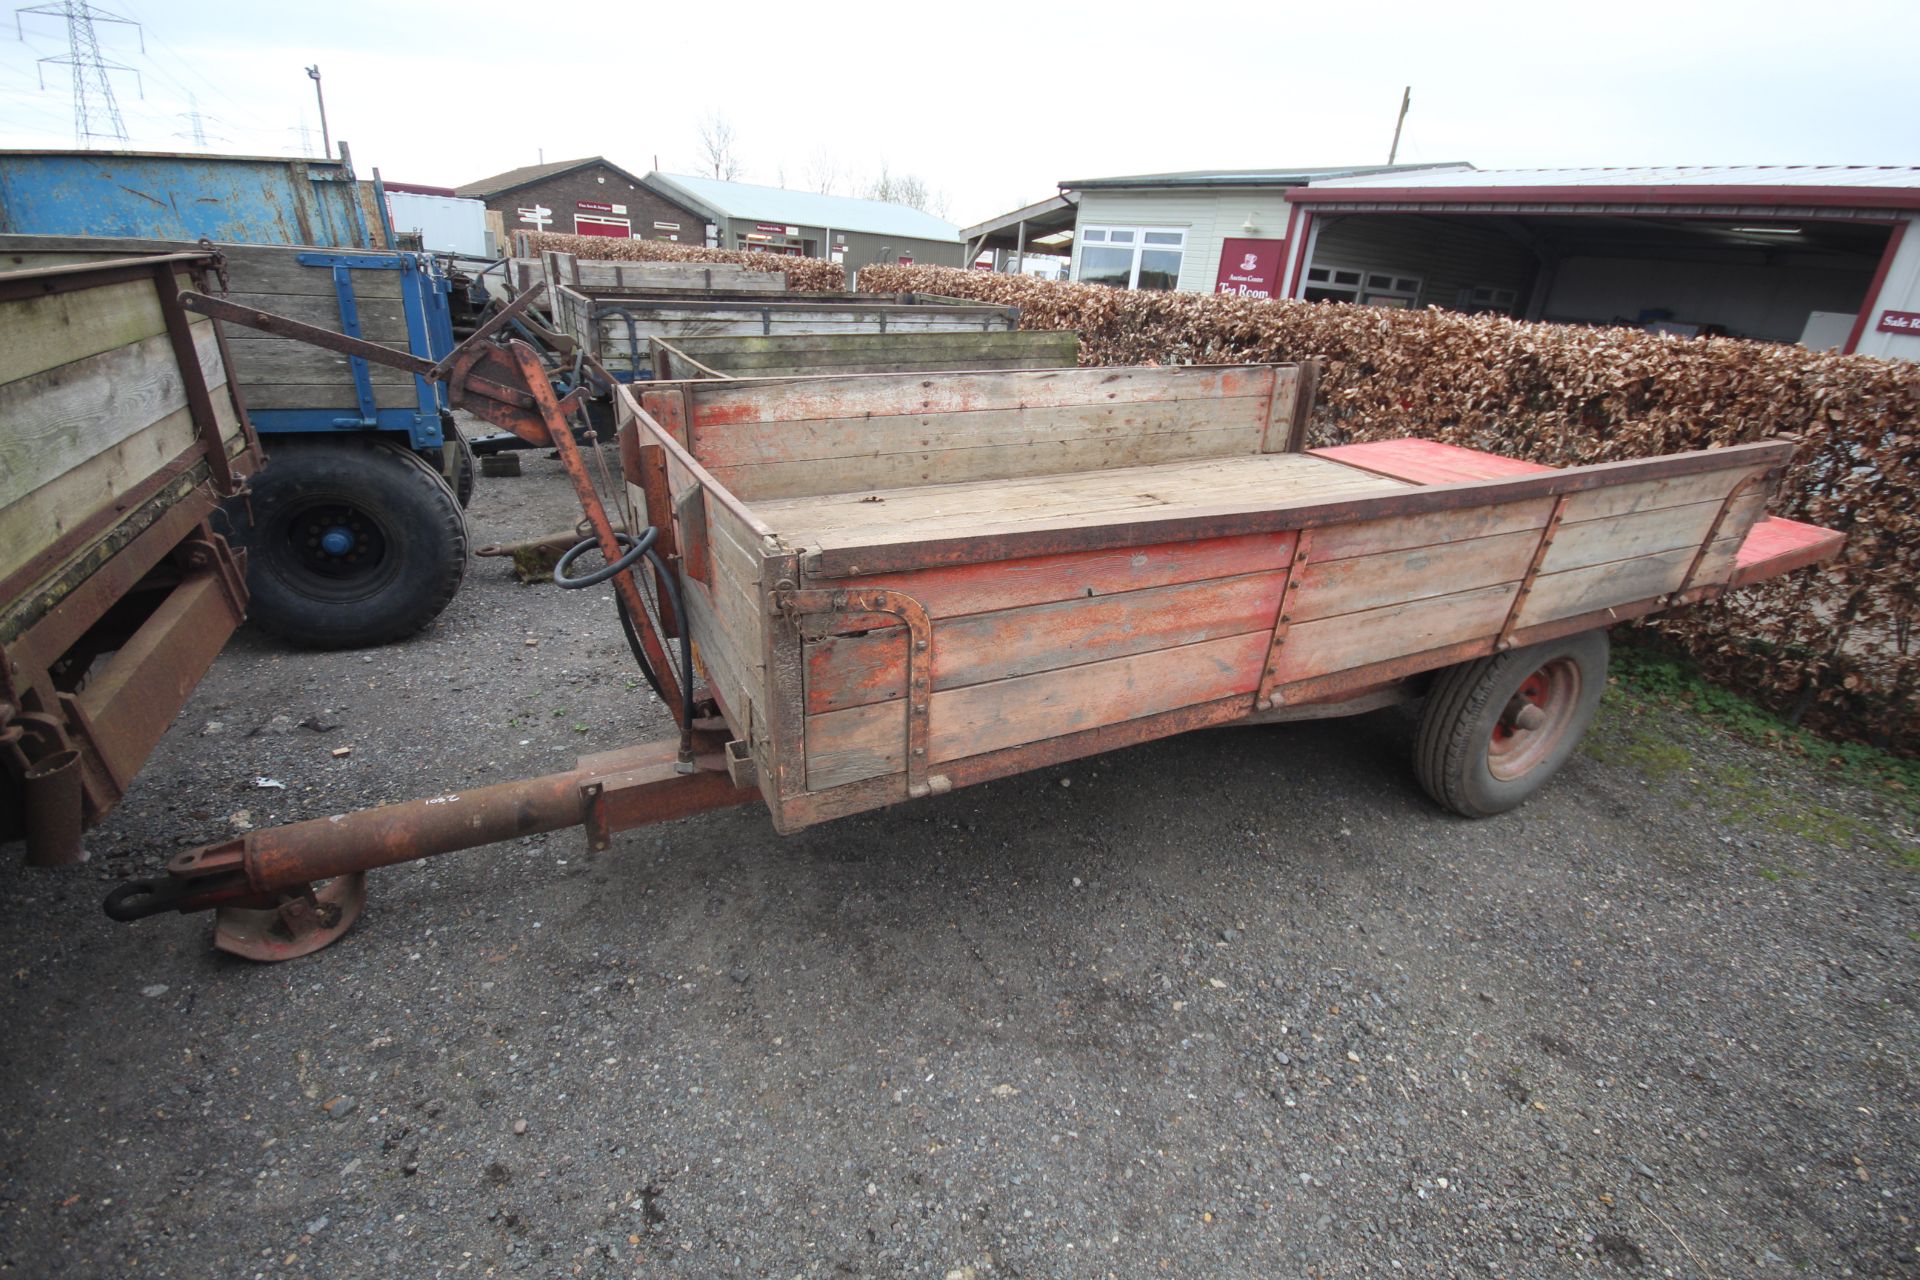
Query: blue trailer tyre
(1494, 731)
(354, 542)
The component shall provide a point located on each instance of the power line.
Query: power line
(93, 99)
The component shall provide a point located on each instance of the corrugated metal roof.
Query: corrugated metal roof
(1700, 175)
(807, 208)
(1254, 177)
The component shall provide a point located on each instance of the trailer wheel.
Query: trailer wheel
(354, 542)
(1494, 731)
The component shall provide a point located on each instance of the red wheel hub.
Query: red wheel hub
(1535, 720)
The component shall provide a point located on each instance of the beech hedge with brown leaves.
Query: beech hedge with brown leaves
(1830, 646)
(808, 275)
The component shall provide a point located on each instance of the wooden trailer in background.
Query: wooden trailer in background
(792, 355)
(120, 436)
(615, 326)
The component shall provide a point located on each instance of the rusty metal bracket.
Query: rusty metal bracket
(795, 604)
(1264, 697)
(1713, 530)
(1504, 641)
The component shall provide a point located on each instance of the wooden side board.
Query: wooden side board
(595, 274)
(776, 439)
(90, 431)
(801, 354)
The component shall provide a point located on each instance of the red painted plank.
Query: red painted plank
(1427, 461)
(1775, 546)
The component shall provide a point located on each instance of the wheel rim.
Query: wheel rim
(1535, 720)
(333, 550)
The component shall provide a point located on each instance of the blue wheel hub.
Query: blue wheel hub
(337, 541)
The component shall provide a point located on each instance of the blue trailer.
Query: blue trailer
(354, 528)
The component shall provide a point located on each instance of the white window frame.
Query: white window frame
(1363, 285)
(1100, 233)
(602, 220)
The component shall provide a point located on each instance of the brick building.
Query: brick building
(586, 197)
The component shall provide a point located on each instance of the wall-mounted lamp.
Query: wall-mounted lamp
(1252, 224)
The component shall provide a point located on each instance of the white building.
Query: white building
(1818, 254)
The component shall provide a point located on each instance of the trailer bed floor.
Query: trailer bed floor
(864, 517)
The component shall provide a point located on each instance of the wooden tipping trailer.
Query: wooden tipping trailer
(792, 355)
(886, 586)
(120, 435)
(901, 584)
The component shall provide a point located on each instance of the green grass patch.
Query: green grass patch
(1631, 731)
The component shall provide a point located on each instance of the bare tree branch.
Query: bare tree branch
(719, 147)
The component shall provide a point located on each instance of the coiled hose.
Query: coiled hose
(636, 549)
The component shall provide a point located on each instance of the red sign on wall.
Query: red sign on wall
(1250, 268)
(1899, 322)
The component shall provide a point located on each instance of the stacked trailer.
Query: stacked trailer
(121, 435)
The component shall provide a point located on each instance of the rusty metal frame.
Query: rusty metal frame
(1504, 640)
(1263, 698)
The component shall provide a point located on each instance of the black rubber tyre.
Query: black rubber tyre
(1494, 731)
(354, 542)
(465, 469)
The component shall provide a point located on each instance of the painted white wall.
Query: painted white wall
(1754, 302)
(1900, 291)
(448, 224)
(1208, 217)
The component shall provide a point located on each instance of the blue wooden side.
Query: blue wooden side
(235, 199)
(424, 290)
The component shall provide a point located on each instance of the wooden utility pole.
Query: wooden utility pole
(1406, 100)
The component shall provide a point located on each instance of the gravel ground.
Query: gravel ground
(1240, 1003)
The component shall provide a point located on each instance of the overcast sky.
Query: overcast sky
(992, 105)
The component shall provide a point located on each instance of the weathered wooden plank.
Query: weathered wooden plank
(870, 741)
(43, 333)
(382, 320)
(275, 270)
(725, 443)
(853, 670)
(288, 360)
(1396, 533)
(1618, 582)
(54, 420)
(1357, 639)
(764, 481)
(814, 343)
(317, 395)
(1010, 584)
(718, 653)
(1257, 481)
(68, 500)
(1328, 588)
(1647, 495)
(1646, 532)
(792, 355)
(888, 395)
